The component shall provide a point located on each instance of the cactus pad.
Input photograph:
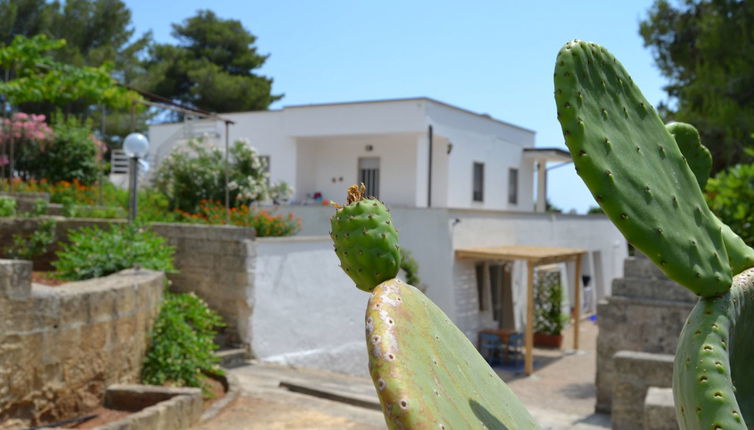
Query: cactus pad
(427, 373)
(698, 157)
(635, 170)
(365, 239)
(713, 372)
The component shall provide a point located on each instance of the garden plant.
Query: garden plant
(648, 179)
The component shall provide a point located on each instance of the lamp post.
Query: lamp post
(135, 146)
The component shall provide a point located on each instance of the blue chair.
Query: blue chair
(490, 347)
(514, 349)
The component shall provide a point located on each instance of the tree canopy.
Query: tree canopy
(212, 67)
(705, 48)
(33, 78)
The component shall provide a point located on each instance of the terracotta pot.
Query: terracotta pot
(548, 340)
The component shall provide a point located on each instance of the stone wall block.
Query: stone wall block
(15, 279)
(635, 372)
(659, 409)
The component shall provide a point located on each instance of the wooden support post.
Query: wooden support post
(529, 335)
(577, 302)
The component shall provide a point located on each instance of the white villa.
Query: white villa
(414, 152)
(456, 181)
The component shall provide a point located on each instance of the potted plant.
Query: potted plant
(549, 319)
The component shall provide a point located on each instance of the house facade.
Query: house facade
(454, 179)
(415, 152)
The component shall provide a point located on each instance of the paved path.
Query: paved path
(560, 395)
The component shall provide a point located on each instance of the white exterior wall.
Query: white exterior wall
(330, 165)
(307, 312)
(499, 146)
(430, 235)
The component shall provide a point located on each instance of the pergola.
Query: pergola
(534, 256)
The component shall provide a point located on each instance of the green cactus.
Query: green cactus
(648, 179)
(426, 372)
(365, 239)
(620, 148)
(713, 372)
(697, 155)
(699, 159)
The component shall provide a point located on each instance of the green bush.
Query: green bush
(730, 195)
(7, 206)
(548, 298)
(26, 247)
(70, 155)
(410, 268)
(181, 347)
(92, 252)
(197, 173)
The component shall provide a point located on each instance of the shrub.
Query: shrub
(181, 347)
(92, 252)
(70, 154)
(264, 223)
(730, 194)
(26, 247)
(7, 206)
(410, 268)
(548, 298)
(197, 172)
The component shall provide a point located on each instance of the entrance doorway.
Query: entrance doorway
(495, 288)
(369, 175)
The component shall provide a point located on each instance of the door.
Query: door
(502, 296)
(369, 175)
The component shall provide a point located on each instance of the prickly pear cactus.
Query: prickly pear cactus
(713, 371)
(697, 155)
(635, 170)
(427, 373)
(699, 159)
(366, 241)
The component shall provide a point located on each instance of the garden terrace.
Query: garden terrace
(60, 347)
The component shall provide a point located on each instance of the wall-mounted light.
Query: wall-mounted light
(369, 148)
(450, 148)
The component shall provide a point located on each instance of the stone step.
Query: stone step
(652, 288)
(659, 409)
(232, 357)
(640, 266)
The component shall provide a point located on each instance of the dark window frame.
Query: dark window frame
(477, 182)
(513, 186)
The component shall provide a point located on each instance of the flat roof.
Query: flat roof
(535, 254)
(408, 99)
(550, 154)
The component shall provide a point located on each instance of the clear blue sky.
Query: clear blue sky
(492, 57)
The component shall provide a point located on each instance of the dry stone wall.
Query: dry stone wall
(60, 347)
(215, 262)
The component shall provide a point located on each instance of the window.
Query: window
(478, 191)
(513, 186)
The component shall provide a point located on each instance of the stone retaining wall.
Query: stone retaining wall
(61, 346)
(645, 313)
(215, 262)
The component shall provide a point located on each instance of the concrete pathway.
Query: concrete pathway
(560, 395)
